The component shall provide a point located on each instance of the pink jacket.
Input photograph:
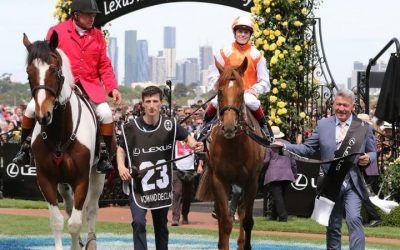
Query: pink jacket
(89, 61)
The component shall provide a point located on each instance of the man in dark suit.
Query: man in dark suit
(327, 138)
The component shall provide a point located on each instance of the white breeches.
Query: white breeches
(250, 100)
(103, 112)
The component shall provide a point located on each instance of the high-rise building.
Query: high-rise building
(112, 51)
(206, 57)
(142, 61)
(170, 51)
(169, 37)
(179, 71)
(130, 57)
(191, 71)
(157, 69)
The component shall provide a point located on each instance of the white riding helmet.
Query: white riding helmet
(244, 23)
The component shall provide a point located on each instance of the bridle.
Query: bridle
(237, 108)
(59, 77)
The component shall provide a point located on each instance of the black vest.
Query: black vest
(145, 149)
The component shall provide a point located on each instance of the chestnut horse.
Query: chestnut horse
(234, 158)
(63, 142)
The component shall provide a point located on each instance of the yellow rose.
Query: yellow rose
(282, 39)
(302, 115)
(271, 36)
(64, 16)
(281, 104)
(272, 46)
(297, 23)
(285, 24)
(277, 33)
(272, 99)
(275, 81)
(297, 48)
(278, 17)
(282, 111)
(285, 52)
(301, 68)
(262, 52)
(266, 32)
(270, 122)
(277, 52)
(266, 46)
(259, 41)
(304, 11)
(278, 121)
(266, 2)
(281, 56)
(268, 10)
(275, 91)
(273, 60)
(279, 43)
(283, 85)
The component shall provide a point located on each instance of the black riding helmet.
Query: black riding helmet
(85, 6)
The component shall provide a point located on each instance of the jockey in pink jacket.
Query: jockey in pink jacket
(86, 49)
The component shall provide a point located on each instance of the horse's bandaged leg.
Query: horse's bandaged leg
(75, 221)
(57, 224)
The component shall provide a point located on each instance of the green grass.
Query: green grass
(12, 203)
(30, 225)
(303, 225)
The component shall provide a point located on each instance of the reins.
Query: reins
(189, 115)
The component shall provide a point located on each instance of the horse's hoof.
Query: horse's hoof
(91, 242)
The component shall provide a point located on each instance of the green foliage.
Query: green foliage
(182, 90)
(13, 94)
(392, 219)
(282, 35)
(391, 178)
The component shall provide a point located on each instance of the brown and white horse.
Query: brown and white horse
(63, 142)
(234, 158)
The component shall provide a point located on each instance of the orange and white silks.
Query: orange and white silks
(236, 58)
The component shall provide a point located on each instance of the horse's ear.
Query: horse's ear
(242, 68)
(219, 66)
(53, 43)
(26, 42)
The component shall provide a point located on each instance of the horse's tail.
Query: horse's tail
(204, 191)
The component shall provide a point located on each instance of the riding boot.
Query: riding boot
(265, 127)
(23, 156)
(107, 154)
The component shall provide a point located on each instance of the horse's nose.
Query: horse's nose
(45, 119)
(229, 131)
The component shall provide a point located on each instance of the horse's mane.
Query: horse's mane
(39, 50)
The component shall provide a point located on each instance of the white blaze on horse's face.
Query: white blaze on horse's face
(43, 99)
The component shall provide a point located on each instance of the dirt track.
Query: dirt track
(197, 220)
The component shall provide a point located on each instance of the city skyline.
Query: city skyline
(358, 33)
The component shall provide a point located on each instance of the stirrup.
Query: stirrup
(104, 165)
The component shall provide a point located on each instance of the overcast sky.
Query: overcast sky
(353, 30)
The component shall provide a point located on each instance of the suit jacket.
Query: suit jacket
(324, 140)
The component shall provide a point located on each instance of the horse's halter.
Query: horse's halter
(57, 70)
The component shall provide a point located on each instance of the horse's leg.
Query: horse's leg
(241, 212)
(65, 191)
(248, 222)
(224, 218)
(49, 191)
(75, 221)
(96, 184)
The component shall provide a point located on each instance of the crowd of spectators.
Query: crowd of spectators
(10, 123)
